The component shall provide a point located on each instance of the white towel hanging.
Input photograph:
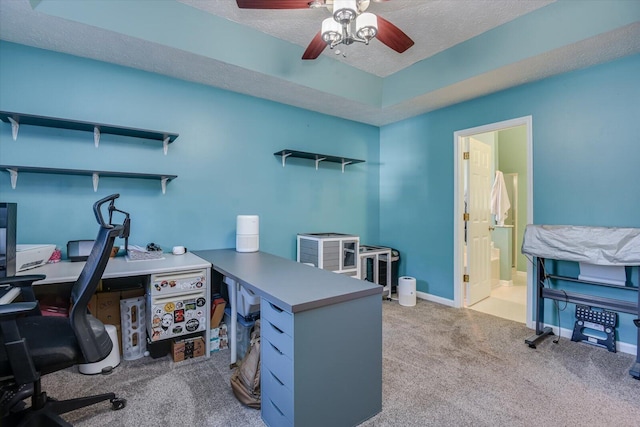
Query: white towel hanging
(500, 203)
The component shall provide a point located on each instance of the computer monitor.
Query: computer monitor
(8, 218)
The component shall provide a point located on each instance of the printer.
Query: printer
(31, 256)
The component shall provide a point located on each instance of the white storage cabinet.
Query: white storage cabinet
(335, 252)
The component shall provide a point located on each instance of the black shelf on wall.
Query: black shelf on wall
(96, 174)
(17, 119)
(344, 161)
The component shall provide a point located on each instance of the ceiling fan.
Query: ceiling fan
(350, 23)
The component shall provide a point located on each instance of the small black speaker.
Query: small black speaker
(79, 250)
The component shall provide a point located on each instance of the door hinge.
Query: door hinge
(465, 278)
(465, 216)
(465, 155)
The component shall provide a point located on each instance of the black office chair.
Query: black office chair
(33, 345)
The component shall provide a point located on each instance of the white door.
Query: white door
(478, 231)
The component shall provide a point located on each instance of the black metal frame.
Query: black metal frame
(543, 293)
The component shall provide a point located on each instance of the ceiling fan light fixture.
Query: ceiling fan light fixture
(331, 32)
(366, 26)
(345, 11)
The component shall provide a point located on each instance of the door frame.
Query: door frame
(458, 205)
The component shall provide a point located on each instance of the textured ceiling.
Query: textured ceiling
(436, 26)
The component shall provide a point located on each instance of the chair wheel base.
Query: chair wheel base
(118, 403)
(12, 396)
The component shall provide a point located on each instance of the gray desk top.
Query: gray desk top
(293, 286)
(66, 271)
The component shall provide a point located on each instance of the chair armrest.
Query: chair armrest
(21, 281)
(24, 283)
(14, 309)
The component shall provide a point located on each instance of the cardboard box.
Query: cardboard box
(187, 348)
(93, 305)
(108, 307)
(217, 312)
(133, 293)
(105, 306)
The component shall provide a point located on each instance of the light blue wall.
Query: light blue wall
(585, 161)
(223, 158)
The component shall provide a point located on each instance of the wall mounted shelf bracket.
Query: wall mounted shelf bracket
(318, 160)
(163, 183)
(15, 127)
(14, 177)
(284, 157)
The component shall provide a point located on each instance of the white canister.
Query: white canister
(407, 291)
(108, 363)
(247, 233)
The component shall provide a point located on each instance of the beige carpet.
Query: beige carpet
(441, 367)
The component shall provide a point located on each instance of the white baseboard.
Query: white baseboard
(506, 282)
(439, 300)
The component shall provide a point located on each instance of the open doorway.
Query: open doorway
(501, 284)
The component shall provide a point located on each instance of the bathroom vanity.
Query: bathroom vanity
(502, 237)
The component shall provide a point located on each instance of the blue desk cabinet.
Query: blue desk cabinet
(321, 367)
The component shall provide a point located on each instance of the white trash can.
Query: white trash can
(111, 361)
(407, 291)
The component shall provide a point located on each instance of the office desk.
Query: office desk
(321, 339)
(118, 267)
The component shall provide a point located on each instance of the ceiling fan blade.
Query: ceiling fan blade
(273, 4)
(315, 48)
(393, 36)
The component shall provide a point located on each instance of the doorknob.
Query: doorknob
(491, 228)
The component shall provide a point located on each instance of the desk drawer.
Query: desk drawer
(277, 362)
(274, 390)
(272, 415)
(277, 337)
(282, 319)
